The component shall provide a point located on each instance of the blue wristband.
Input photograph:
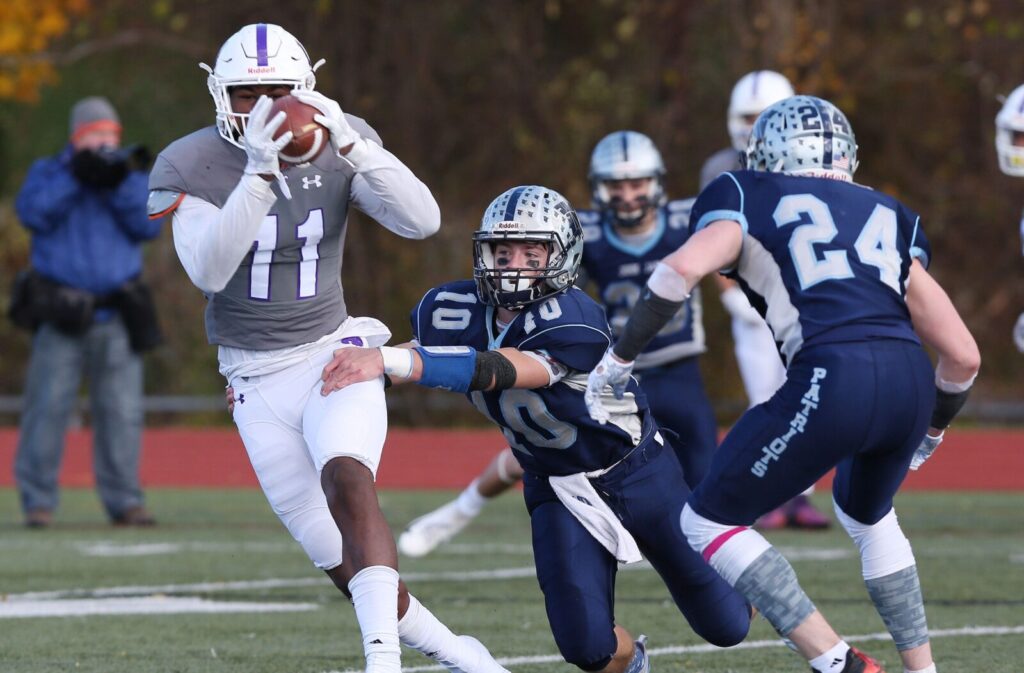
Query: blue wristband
(447, 367)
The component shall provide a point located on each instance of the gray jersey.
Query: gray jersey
(287, 291)
(720, 162)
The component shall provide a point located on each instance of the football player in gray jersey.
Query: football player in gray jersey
(756, 353)
(265, 247)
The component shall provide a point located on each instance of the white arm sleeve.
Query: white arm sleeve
(211, 242)
(385, 189)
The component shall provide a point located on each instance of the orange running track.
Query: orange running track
(969, 460)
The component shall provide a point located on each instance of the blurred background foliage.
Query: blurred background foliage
(478, 96)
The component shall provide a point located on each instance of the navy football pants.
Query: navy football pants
(577, 574)
(861, 407)
(681, 406)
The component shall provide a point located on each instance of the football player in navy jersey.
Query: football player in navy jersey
(757, 356)
(518, 340)
(1010, 148)
(838, 271)
(632, 226)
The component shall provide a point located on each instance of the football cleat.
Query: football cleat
(481, 660)
(801, 513)
(773, 520)
(858, 662)
(424, 534)
(644, 663)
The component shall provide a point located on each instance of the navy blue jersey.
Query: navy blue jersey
(824, 261)
(548, 428)
(620, 270)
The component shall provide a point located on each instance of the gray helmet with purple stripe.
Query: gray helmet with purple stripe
(528, 213)
(803, 135)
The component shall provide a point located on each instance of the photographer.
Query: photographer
(86, 211)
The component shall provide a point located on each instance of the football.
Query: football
(308, 136)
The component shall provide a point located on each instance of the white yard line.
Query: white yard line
(748, 645)
(149, 605)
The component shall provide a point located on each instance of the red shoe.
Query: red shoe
(773, 520)
(803, 514)
(858, 662)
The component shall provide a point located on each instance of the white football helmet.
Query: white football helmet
(528, 213)
(1009, 121)
(753, 93)
(803, 135)
(258, 54)
(625, 155)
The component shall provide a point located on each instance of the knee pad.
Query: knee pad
(314, 528)
(728, 549)
(884, 549)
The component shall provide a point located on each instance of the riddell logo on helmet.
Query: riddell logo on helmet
(261, 71)
(508, 225)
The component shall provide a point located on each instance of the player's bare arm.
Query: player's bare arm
(452, 368)
(937, 322)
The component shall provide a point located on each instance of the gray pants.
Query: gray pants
(54, 377)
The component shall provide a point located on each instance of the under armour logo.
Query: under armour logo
(306, 181)
(241, 398)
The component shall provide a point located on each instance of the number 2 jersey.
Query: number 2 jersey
(620, 270)
(824, 261)
(548, 428)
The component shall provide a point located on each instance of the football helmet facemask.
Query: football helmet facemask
(259, 54)
(753, 93)
(1009, 122)
(527, 213)
(803, 135)
(625, 155)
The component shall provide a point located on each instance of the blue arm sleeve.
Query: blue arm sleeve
(48, 194)
(128, 204)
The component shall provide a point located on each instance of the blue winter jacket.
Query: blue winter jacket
(82, 236)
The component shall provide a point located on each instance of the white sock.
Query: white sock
(423, 632)
(929, 669)
(832, 661)
(375, 596)
(470, 502)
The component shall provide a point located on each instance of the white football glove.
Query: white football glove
(610, 371)
(260, 146)
(925, 451)
(332, 118)
(1018, 333)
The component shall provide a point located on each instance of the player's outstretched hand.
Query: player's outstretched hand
(1018, 333)
(925, 451)
(351, 365)
(261, 147)
(610, 371)
(332, 118)
(229, 397)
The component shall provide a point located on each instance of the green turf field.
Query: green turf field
(225, 550)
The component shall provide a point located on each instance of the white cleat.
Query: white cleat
(424, 534)
(480, 661)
